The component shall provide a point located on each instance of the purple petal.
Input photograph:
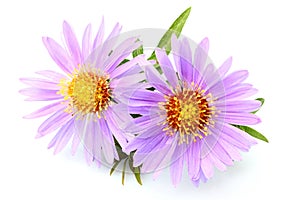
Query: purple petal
(207, 167)
(177, 167)
(235, 78)
(147, 149)
(155, 79)
(108, 144)
(238, 106)
(235, 136)
(240, 90)
(216, 162)
(126, 66)
(99, 36)
(40, 83)
(116, 130)
(86, 42)
(240, 93)
(72, 43)
(56, 77)
(201, 53)
(120, 53)
(208, 76)
(102, 53)
(186, 61)
(115, 32)
(231, 150)
(46, 110)
(125, 83)
(225, 67)
(59, 55)
(239, 118)
(65, 133)
(157, 161)
(75, 143)
(40, 94)
(145, 95)
(166, 67)
(193, 159)
(52, 123)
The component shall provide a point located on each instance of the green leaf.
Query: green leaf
(137, 174)
(123, 172)
(252, 132)
(116, 163)
(138, 51)
(176, 29)
(262, 100)
(136, 170)
(123, 62)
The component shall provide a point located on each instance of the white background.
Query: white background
(262, 36)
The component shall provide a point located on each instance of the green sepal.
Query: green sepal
(262, 100)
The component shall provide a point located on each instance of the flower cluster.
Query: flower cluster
(173, 108)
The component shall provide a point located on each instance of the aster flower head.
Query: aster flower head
(189, 117)
(85, 103)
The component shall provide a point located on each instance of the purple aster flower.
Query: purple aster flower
(189, 117)
(84, 103)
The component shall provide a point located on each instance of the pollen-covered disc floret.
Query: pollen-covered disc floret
(87, 92)
(188, 113)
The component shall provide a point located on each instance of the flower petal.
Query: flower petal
(177, 165)
(40, 83)
(186, 61)
(236, 106)
(115, 129)
(40, 94)
(56, 77)
(99, 36)
(126, 66)
(155, 79)
(121, 52)
(239, 118)
(65, 133)
(59, 55)
(72, 43)
(46, 110)
(225, 67)
(54, 122)
(201, 54)
(166, 67)
(86, 42)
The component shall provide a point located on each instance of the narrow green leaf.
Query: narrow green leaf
(135, 170)
(138, 51)
(175, 28)
(123, 172)
(262, 100)
(123, 62)
(121, 154)
(116, 163)
(137, 174)
(252, 132)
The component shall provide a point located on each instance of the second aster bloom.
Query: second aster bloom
(86, 105)
(189, 116)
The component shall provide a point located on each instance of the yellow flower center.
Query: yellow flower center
(87, 92)
(188, 113)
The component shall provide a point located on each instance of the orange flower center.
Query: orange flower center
(189, 113)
